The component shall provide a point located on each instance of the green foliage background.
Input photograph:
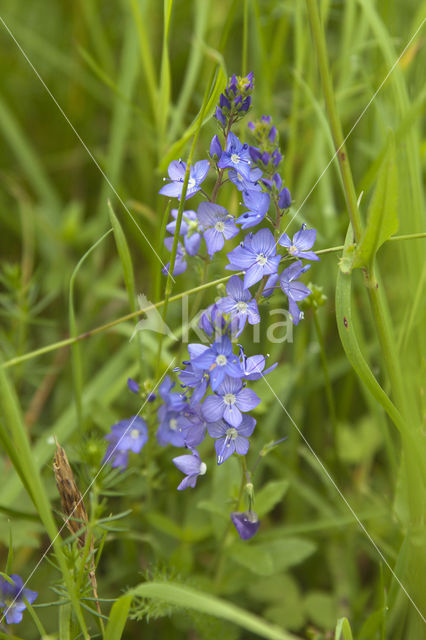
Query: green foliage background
(129, 78)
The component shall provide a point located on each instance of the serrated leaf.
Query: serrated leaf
(269, 496)
(382, 219)
(118, 618)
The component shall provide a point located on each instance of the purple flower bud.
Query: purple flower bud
(265, 158)
(276, 158)
(151, 397)
(224, 102)
(233, 84)
(284, 200)
(255, 154)
(266, 119)
(220, 116)
(246, 523)
(267, 183)
(251, 126)
(215, 147)
(133, 385)
(248, 81)
(272, 134)
(238, 102)
(277, 180)
(246, 104)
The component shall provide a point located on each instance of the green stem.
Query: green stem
(335, 126)
(42, 631)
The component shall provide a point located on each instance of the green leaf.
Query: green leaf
(253, 558)
(321, 608)
(118, 618)
(382, 220)
(268, 558)
(188, 598)
(269, 496)
(125, 258)
(343, 627)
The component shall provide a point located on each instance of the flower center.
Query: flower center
(229, 399)
(293, 249)
(231, 433)
(221, 360)
(134, 434)
(220, 226)
(261, 259)
(203, 469)
(173, 424)
(191, 183)
(242, 307)
(235, 158)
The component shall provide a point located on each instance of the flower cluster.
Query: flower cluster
(215, 400)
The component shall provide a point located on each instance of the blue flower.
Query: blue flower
(195, 379)
(295, 291)
(219, 360)
(218, 225)
(246, 523)
(12, 594)
(192, 467)
(242, 183)
(302, 241)
(256, 256)
(180, 261)
(230, 400)
(170, 430)
(172, 400)
(239, 303)
(193, 426)
(236, 156)
(231, 439)
(126, 435)
(190, 229)
(213, 322)
(254, 366)
(258, 204)
(176, 171)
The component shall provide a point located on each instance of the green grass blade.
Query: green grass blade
(117, 618)
(186, 597)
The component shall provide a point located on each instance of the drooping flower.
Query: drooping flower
(176, 171)
(257, 256)
(229, 402)
(193, 426)
(231, 439)
(172, 399)
(258, 204)
(302, 241)
(127, 435)
(196, 379)
(236, 156)
(192, 467)
(239, 303)
(294, 290)
(218, 226)
(190, 229)
(180, 260)
(12, 594)
(213, 322)
(219, 360)
(246, 523)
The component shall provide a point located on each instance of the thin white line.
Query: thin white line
(327, 473)
(356, 122)
(82, 141)
(82, 497)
